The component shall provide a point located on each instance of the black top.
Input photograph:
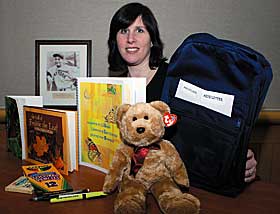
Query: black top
(154, 88)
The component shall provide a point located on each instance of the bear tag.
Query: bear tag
(169, 119)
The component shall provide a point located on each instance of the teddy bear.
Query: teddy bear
(145, 163)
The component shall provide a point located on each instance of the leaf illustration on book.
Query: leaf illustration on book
(93, 152)
(56, 151)
(40, 146)
(58, 163)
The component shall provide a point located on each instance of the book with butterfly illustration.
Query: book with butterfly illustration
(51, 137)
(98, 99)
(46, 178)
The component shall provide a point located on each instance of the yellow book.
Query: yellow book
(51, 137)
(45, 177)
(98, 99)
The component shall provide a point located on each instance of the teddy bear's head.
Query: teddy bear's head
(141, 124)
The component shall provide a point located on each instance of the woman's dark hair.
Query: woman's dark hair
(122, 19)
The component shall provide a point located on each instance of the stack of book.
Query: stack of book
(87, 135)
(41, 135)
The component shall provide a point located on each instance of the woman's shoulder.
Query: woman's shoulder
(162, 68)
(164, 64)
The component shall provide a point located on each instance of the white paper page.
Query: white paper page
(215, 101)
(72, 131)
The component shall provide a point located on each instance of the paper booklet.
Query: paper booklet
(98, 99)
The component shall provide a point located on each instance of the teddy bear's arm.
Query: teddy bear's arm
(176, 167)
(117, 168)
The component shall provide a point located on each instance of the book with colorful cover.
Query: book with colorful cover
(46, 177)
(14, 120)
(51, 137)
(98, 99)
(21, 185)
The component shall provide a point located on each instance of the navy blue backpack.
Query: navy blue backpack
(217, 88)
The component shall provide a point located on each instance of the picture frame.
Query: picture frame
(58, 63)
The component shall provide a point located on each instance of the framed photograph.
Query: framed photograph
(58, 63)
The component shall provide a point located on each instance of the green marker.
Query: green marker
(81, 196)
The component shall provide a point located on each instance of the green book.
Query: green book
(14, 121)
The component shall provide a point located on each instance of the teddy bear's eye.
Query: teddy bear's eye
(146, 117)
(134, 118)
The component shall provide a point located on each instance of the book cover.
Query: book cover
(98, 99)
(21, 185)
(47, 137)
(45, 177)
(14, 120)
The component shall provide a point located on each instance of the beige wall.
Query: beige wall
(252, 22)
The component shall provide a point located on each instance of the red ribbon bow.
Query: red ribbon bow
(139, 156)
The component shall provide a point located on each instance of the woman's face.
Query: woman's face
(134, 43)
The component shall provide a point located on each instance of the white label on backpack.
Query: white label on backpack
(215, 101)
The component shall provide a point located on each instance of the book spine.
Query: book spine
(78, 118)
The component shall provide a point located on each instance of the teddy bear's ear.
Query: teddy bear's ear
(162, 107)
(120, 111)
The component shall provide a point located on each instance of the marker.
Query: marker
(47, 197)
(40, 193)
(81, 196)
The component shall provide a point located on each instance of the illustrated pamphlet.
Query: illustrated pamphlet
(98, 99)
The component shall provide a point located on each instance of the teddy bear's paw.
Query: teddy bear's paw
(184, 204)
(107, 188)
(129, 207)
(182, 207)
(192, 199)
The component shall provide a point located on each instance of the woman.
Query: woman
(136, 50)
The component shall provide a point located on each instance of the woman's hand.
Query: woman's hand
(251, 167)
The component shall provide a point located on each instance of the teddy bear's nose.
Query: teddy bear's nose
(140, 130)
